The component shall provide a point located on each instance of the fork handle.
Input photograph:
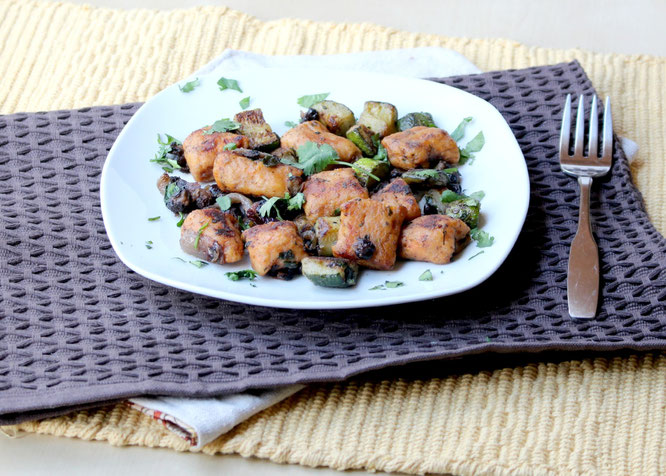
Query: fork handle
(583, 276)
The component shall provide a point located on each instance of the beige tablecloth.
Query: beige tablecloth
(595, 416)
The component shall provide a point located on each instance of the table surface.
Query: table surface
(611, 26)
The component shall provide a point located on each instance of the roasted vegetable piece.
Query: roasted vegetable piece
(433, 238)
(398, 194)
(466, 209)
(326, 229)
(414, 119)
(212, 235)
(364, 139)
(330, 272)
(182, 196)
(201, 149)
(379, 117)
(364, 169)
(314, 131)
(327, 191)
(369, 232)
(234, 171)
(426, 178)
(420, 147)
(307, 232)
(275, 249)
(255, 128)
(337, 117)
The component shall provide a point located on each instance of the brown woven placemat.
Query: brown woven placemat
(79, 324)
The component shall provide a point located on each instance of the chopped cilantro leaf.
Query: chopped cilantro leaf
(296, 202)
(290, 124)
(149, 245)
(201, 230)
(230, 146)
(313, 158)
(310, 100)
(450, 196)
(426, 276)
(482, 238)
(394, 284)
(478, 195)
(242, 274)
(224, 202)
(189, 86)
(459, 132)
(269, 204)
(379, 286)
(223, 125)
(476, 144)
(182, 219)
(163, 156)
(179, 258)
(226, 83)
(154, 218)
(244, 103)
(381, 154)
(198, 263)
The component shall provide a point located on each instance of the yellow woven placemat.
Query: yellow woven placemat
(595, 416)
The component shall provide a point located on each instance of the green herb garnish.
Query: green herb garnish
(189, 86)
(312, 99)
(198, 263)
(450, 196)
(179, 259)
(296, 202)
(230, 146)
(149, 245)
(474, 256)
(381, 154)
(268, 205)
(426, 276)
(182, 219)
(242, 274)
(387, 285)
(244, 103)
(459, 132)
(478, 196)
(224, 202)
(223, 125)
(482, 238)
(226, 83)
(313, 158)
(154, 218)
(290, 124)
(164, 152)
(201, 230)
(473, 146)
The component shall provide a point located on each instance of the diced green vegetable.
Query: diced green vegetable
(330, 272)
(379, 117)
(337, 117)
(369, 171)
(326, 229)
(466, 209)
(414, 119)
(254, 127)
(363, 138)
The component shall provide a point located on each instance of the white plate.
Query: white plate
(129, 194)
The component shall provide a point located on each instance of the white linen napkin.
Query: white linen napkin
(201, 420)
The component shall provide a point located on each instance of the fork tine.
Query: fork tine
(580, 127)
(594, 130)
(608, 132)
(566, 128)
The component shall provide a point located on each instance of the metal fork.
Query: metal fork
(583, 274)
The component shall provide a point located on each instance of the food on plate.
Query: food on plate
(330, 272)
(201, 148)
(397, 194)
(433, 238)
(331, 196)
(369, 232)
(255, 173)
(212, 235)
(420, 147)
(325, 192)
(315, 131)
(275, 249)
